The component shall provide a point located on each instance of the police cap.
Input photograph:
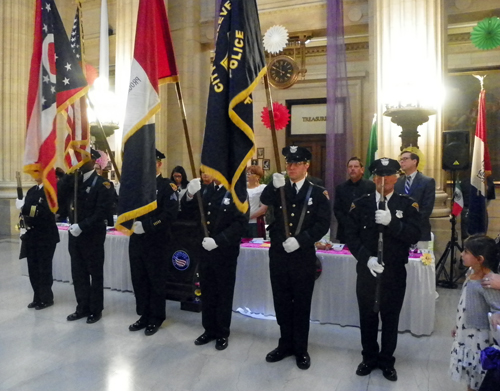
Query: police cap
(94, 154)
(384, 167)
(159, 155)
(295, 154)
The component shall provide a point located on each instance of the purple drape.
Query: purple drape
(338, 125)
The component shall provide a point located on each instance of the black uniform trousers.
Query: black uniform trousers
(217, 279)
(148, 268)
(87, 263)
(393, 287)
(39, 256)
(292, 281)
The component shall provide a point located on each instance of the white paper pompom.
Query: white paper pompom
(275, 39)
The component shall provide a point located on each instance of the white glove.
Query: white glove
(19, 203)
(278, 180)
(383, 216)
(22, 231)
(194, 186)
(138, 228)
(290, 245)
(75, 230)
(374, 266)
(209, 244)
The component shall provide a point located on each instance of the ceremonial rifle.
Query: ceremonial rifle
(22, 223)
(380, 250)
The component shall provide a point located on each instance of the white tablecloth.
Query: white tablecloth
(334, 299)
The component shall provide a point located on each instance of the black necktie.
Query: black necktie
(381, 203)
(295, 188)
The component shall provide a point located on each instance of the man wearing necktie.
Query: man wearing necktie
(398, 220)
(87, 234)
(219, 252)
(292, 259)
(419, 187)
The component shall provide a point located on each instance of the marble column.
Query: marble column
(407, 55)
(16, 40)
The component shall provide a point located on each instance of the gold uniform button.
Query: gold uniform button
(293, 205)
(293, 214)
(208, 213)
(291, 225)
(208, 222)
(209, 203)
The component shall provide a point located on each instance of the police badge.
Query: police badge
(399, 214)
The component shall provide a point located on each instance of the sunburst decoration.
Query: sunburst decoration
(275, 39)
(281, 116)
(486, 34)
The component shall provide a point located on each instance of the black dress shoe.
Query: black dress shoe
(151, 329)
(76, 316)
(221, 343)
(42, 305)
(203, 339)
(390, 373)
(277, 355)
(92, 318)
(139, 325)
(365, 369)
(33, 304)
(303, 360)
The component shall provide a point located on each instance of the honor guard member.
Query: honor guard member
(226, 226)
(398, 220)
(39, 238)
(87, 234)
(148, 253)
(293, 259)
(348, 191)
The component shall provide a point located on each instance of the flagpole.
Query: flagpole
(276, 153)
(190, 153)
(105, 140)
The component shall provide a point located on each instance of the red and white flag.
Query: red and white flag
(77, 142)
(56, 81)
(153, 64)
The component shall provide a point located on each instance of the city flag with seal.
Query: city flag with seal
(238, 66)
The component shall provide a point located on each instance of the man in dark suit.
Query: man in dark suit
(398, 220)
(226, 225)
(419, 187)
(293, 258)
(148, 252)
(87, 234)
(39, 238)
(347, 192)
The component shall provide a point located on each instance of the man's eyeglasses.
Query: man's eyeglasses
(402, 159)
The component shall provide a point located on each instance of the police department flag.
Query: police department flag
(56, 81)
(238, 66)
(153, 64)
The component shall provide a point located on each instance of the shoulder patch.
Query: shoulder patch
(173, 186)
(415, 205)
(107, 184)
(326, 194)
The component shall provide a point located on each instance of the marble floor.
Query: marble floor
(40, 350)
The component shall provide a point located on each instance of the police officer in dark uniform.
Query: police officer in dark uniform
(87, 234)
(226, 226)
(348, 191)
(293, 260)
(39, 239)
(148, 252)
(399, 221)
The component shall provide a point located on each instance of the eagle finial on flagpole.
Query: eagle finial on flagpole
(481, 80)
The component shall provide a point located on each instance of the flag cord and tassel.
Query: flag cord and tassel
(276, 153)
(190, 153)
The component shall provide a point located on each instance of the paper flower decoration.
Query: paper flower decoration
(281, 116)
(426, 259)
(486, 34)
(421, 156)
(275, 39)
(103, 160)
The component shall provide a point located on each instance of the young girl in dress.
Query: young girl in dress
(472, 331)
